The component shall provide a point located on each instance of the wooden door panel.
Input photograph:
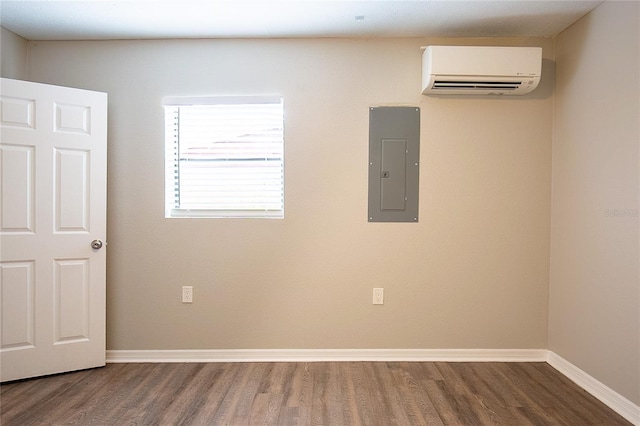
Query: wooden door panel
(52, 285)
(17, 211)
(71, 191)
(18, 308)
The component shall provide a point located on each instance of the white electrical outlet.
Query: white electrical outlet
(187, 294)
(378, 296)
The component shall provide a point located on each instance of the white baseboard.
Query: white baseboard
(320, 355)
(612, 399)
(605, 394)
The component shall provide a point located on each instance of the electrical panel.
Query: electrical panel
(394, 163)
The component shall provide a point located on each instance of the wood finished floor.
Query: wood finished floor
(324, 393)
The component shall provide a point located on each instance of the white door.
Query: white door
(53, 155)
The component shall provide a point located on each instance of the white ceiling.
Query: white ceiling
(146, 19)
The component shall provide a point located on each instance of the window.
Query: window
(224, 157)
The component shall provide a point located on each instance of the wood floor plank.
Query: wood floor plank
(323, 393)
(413, 396)
(521, 398)
(300, 387)
(190, 400)
(467, 395)
(565, 411)
(219, 378)
(343, 399)
(22, 398)
(370, 404)
(486, 391)
(246, 389)
(559, 387)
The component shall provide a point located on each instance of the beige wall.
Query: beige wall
(594, 319)
(13, 55)
(473, 273)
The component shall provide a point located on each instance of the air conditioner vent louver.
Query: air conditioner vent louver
(502, 85)
(480, 70)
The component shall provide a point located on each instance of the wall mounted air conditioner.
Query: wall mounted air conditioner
(480, 70)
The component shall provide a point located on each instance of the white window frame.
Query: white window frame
(175, 161)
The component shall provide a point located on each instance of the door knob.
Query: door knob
(96, 244)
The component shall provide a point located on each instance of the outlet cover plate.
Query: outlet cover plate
(378, 296)
(187, 294)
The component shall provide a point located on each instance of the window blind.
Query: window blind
(225, 157)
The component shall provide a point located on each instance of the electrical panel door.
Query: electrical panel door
(394, 158)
